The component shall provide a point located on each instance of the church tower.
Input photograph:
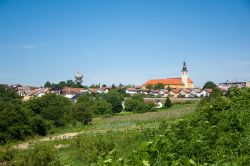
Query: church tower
(184, 75)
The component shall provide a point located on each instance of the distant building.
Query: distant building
(78, 77)
(227, 85)
(206, 92)
(181, 82)
(131, 91)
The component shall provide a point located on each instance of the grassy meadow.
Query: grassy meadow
(84, 144)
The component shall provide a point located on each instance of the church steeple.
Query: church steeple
(184, 68)
(184, 74)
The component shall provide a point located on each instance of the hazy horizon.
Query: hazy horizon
(126, 41)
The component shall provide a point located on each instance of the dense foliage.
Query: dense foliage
(14, 123)
(41, 115)
(62, 84)
(155, 87)
(209, 85)
(115, 99)
(218, 133)
(136, 104)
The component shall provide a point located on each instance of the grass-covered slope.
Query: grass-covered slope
(217, 133)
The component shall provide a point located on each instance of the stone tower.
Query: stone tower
(184, 75)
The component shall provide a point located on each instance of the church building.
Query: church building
(181, 82)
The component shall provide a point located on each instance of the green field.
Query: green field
(123, 130)
(214, 131)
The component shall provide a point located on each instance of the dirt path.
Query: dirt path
(66, 136)
(131, 118)
(24, 146)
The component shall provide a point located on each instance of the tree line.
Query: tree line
(41, 115)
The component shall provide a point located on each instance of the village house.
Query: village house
(174, 92)
(157, 102)
(195, 92)
(227, 85)
(103, 90)
(131, 91)
(138, 87)
(185, 92)
(206, 92)
(71, 93)
(154, 93)
(163, 93)
(26, 90)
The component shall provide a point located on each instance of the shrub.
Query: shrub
(115, 99)
(102, 107)
(51, 107)
(39, 125)
(82, 113)
(216, 134)
(168, 103)
(42, 155)
(136, 106)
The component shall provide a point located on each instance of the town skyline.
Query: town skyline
(126, 42)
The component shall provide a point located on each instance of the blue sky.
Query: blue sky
(123, 41)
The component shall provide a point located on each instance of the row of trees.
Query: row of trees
(72, 84)
(155, 87)
(41, 115)
(62, 84)
(20, 119)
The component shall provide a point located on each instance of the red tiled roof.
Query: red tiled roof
(132, 89)
(67, 90)
(167, 81)
(176, 90)
(103, 88)
(155, 91)
(165, 91)
(186, 90)
(138, 87)
(209, 90)
(93, 90)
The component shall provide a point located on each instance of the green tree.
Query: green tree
(149, 86)
(14, 124)
(135, 105)
(47, 84)
(51, 107)
(70, 83)
(83, 109)
(39, 125)
(62, 84)
(115, 99)
(159, 86)
(8, 95)
(102, 107)
(85, 99)
(168, 103)
(210, 85)
(82, 113)
(113, 86)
